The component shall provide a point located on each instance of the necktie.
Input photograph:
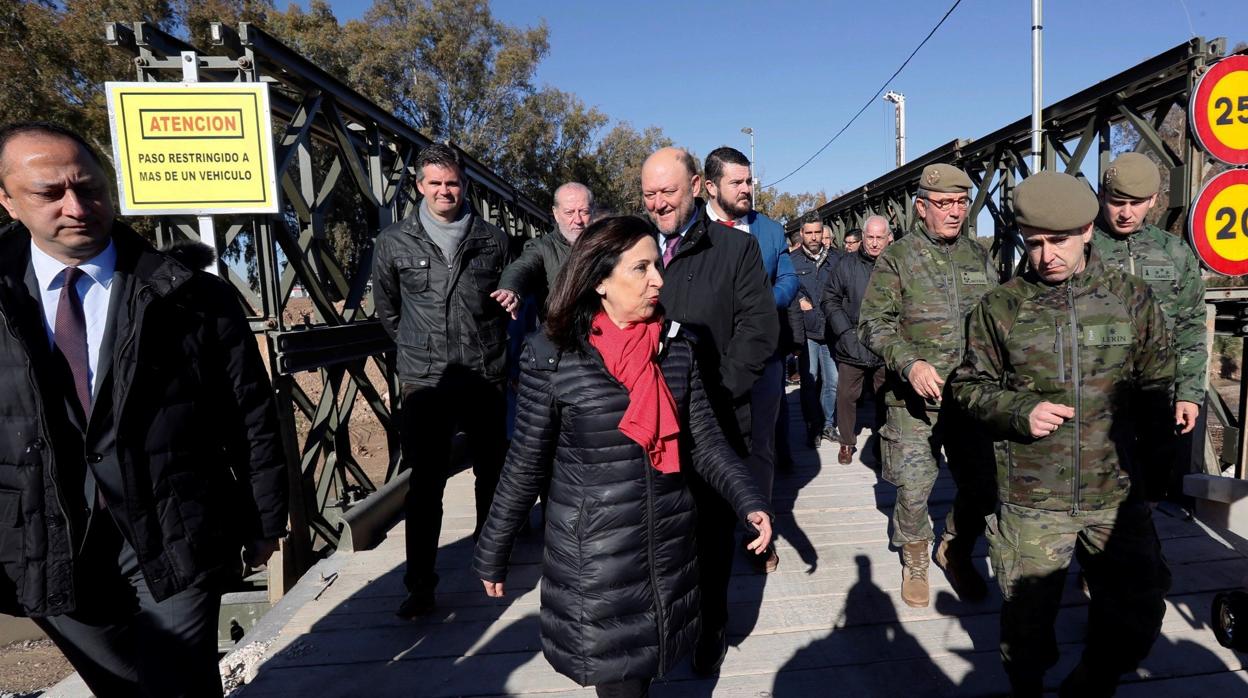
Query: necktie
(670, 243)
(730, 224)
(70, 335)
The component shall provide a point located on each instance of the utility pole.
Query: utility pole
(899, 100)
(1037, 82)
(753, 170)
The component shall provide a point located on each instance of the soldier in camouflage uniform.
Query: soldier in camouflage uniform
(914, 315)
(1123, 241)
(1072, 364)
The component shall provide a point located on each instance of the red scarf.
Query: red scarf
(631, 355)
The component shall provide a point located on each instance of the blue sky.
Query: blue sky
(797, 71)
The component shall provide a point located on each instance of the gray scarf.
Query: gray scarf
(446, 236)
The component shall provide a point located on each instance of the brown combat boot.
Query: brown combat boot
(962, 575)
(914, 560)
(846, 456)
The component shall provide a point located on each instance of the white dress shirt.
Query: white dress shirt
(742, 223)
(94, 287)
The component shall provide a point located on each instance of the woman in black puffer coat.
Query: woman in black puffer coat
(620, 579)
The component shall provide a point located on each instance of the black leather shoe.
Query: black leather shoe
(709, 653)
(416, 604)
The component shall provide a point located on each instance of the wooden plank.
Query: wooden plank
(830, 618)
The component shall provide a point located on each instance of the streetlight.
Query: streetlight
(899, 100)
(753, 174)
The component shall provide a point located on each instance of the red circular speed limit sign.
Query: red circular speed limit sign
(1218, 223)
(1219, 110)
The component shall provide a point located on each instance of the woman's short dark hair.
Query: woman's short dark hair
(574, 300)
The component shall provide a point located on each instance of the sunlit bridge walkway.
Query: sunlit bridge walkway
(828, 623)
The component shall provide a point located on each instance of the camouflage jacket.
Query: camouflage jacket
(1098, 343)
(917, 302)
(1171, 271)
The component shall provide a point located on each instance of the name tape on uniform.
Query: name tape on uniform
(192, 148)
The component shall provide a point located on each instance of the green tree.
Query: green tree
(57, 62)
(455, 72)
(784, 206)
(617, 158)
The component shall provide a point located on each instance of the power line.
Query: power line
(873, 97)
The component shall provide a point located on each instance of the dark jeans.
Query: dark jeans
(717, 524)
(631, 688)
(125, 643)
(431, 416)
(850, 379)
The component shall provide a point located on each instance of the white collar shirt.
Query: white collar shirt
(94, 288)
(742, 223)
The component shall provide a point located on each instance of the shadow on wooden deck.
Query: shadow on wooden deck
(828, 622)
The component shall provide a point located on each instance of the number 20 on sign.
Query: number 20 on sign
(1219, 223)
(1219, 110)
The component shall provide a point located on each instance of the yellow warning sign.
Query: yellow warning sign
(192, 148)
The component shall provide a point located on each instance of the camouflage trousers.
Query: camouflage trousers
(912, 441)
(1126, 575)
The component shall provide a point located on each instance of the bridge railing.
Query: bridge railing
(1142, 97)
(345, 169)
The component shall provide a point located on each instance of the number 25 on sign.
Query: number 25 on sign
(1219, 110)
(1218, 223)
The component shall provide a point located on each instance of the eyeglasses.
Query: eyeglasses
(946, 204)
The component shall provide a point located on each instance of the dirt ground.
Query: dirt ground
(368, 438)
(30, 666)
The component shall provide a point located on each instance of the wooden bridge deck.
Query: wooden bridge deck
(829, 622)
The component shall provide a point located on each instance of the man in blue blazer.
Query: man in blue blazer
(730, 202)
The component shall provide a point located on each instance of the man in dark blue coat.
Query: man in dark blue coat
(814, 263)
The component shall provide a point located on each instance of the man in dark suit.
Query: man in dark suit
(715, 284)
(139, 448)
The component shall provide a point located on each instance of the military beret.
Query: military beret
(1054, 201)
(1131, 176)
(944, 179)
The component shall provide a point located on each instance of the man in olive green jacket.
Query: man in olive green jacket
(1073, 365)
(1124, 241)
(914, 316)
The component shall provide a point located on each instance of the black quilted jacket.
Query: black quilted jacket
(620, 576)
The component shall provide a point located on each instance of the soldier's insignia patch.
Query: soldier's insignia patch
(1113, 335)
(1110, 174)
(1160, 273)
(933, 177)
(971, 278)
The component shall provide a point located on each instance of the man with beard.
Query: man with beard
(1073, 364)
(841, 300)
(914, 316)
(1124, 241)
(814, 264)
(713, 284)
(729, 185)
(534, 271)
